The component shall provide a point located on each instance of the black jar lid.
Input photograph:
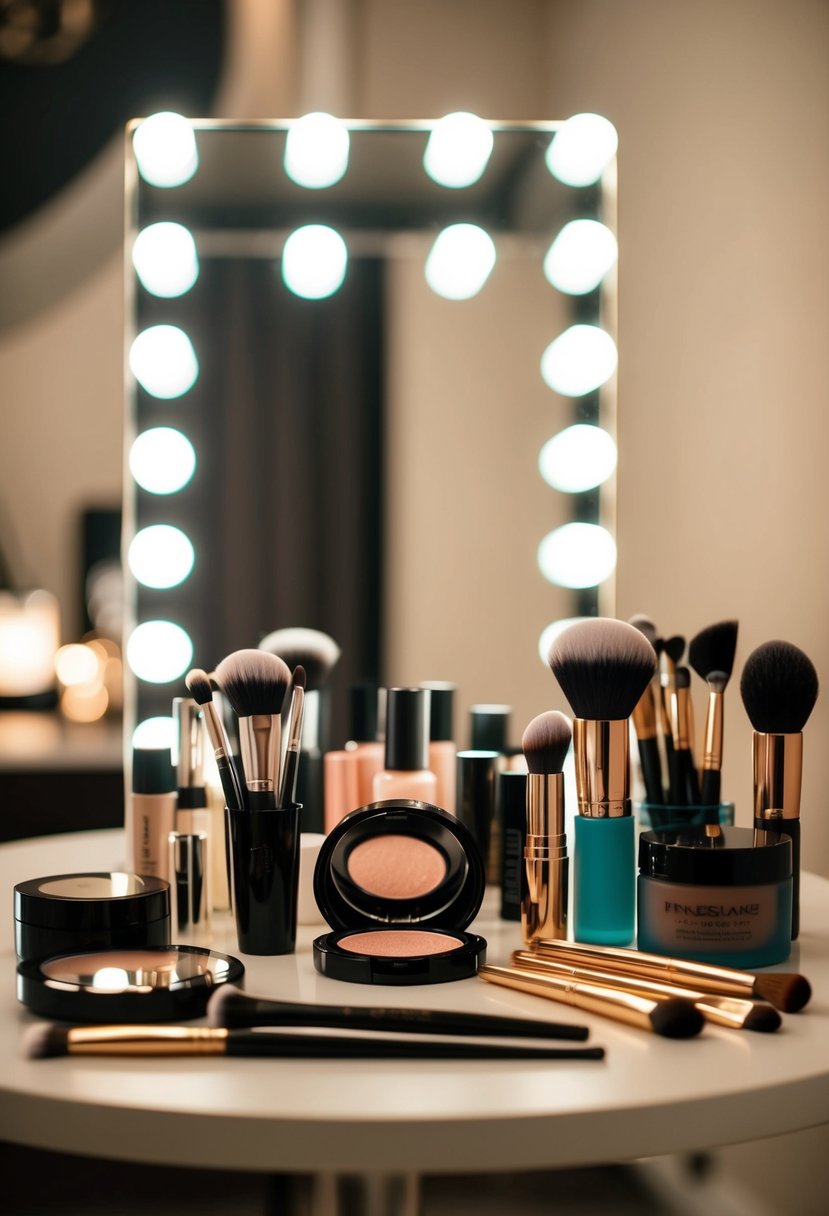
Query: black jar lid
(735, 857)
(159, 984)
(92, 901)
(417, 866)
(336, 957)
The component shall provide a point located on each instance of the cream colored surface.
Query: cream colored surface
(650, 1095)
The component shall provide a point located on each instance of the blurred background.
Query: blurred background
(721, 500)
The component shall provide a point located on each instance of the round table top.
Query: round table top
(648, 1096)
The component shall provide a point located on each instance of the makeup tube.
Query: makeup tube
(150, 811)
(546, 867)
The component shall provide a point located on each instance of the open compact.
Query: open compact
(398, 882)
(150, 985)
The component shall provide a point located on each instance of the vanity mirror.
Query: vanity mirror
(357, 353)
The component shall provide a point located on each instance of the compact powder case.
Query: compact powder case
(67, 913)
(398, 882)
(136, 986)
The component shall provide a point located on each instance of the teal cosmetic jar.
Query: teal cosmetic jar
(719, 895)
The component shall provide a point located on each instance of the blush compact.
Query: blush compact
(149, 985)
(398, 882)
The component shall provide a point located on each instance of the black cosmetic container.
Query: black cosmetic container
(399, 881)
(264, 877)
(511, 812)
(100, 911)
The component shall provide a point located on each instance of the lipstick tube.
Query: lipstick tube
(546, 865)
(778, 767)
(604, 870)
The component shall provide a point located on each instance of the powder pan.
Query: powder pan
(399, 881)
(163, 984)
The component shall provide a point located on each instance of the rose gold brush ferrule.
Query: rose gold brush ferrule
(680, 719)
(259, 738)
(712, 759)
(147, 1040)
(544, 902)
(644, 716)
(190, 759)
(602, 751)
(622, 1006)
(778, 766)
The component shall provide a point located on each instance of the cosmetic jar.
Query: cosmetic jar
(75, 912)
(399, 881)
(659, 817)
(161, 985)
(721, 895)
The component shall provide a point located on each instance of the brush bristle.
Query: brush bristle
(713, 649)
(254, 682)
(603, 667)
(677, 1018)
(220, 1005)
(44, 1041)
(316, 651)
(785, 990)
(682, 678)
(198, 685)
(645, 626)
(675, 647)
(763, 1018)
(779, 687)
(546, 741)
(299, 677)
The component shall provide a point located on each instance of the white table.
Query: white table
(649, 1096)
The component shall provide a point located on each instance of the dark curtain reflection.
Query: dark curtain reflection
(290, 398)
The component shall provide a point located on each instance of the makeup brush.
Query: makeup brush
(779, 687)
(49, 1040)
(672, 1017)
(287, 785)
(318, 653)
(545, 744)
(734, 1013)
(230, 1007)
(644, 723)
(603, 666)
(711, 654)
(255, 684)
(787, 991)
(191, 792)
(671, 654)
(198, 685)
(684, 780)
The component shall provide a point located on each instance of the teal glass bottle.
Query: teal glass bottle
(604, 880)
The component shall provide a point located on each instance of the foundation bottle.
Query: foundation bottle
(367, 744)
(406, 773)
(442, 750)
(151, 810)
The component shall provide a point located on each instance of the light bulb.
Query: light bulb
(162, 460)
(314, 262)
(579, 361)
(577, 555)
(316, 150)
(161, 556)
(577, 458)
(458, 150)
(580, 257)
(165, 149)
(581, 149)
(165, 259)
(460, 261)
(163, 361)
(159, 651)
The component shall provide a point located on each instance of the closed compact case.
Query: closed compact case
(399, 881)
(101, 911)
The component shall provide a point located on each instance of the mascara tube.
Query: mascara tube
(546, 865)
(604, 871)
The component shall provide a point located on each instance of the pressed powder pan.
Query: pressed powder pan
(155, 985)
(399, 881)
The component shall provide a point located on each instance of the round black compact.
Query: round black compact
(398, 882)
(167, 984)
(98, 911)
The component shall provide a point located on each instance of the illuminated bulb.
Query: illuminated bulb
(314, 262)
(163, 361)
(458, 150)
(460, 261)
(580, 360)
(162, 460)
(316, 150)
(77, 664)
(165, 259)
(577, 458)
(551, 632)
(581, 149)
(159, 651)
(161, 556)
(84, 702)
(165, 149)
(155, 732)
(577, 555)
(580, 257)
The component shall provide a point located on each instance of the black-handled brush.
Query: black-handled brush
(711, 654)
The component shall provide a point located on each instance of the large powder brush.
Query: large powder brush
(603, 666)
(255, 684)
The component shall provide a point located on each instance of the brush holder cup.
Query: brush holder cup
(264, 877)
(658, 818)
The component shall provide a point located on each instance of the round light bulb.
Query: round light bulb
(316, 150)
(155, 733)
(165, 259)
(161, 556)
(581, 149)
(458, 150)
(460, 261)
(77, 664)
(165, 149)
(159, 651)
(577, 555)
(163, 361)
(579, 361)
(314, 262)
(162, 460)
(578, 458)
(580, 257)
